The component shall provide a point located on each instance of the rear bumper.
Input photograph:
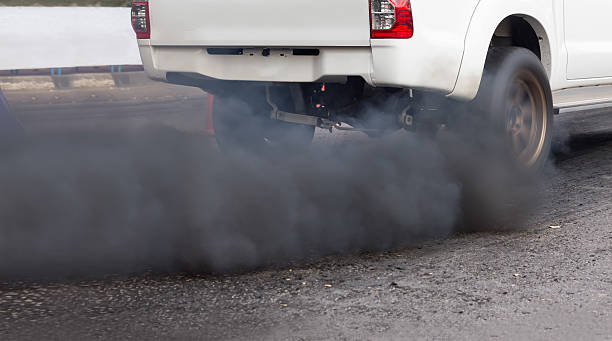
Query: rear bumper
(332, 63)
(411, 63)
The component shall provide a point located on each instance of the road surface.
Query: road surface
(532, 282)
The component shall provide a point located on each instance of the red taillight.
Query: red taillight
(391, 19)
(140, 19)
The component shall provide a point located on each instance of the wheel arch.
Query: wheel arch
(492, 17)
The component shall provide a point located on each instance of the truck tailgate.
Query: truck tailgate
(244, 23)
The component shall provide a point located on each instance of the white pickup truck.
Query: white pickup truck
(324, 63)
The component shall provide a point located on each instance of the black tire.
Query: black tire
(515, 100)
(243, 125)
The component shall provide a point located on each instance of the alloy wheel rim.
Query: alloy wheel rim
(526, 124)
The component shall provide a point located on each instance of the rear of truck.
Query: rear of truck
(387, 43)
(376, 65)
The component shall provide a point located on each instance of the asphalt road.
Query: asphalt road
(529, 283)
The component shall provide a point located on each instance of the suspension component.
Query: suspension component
(320, 122)
(304, 119)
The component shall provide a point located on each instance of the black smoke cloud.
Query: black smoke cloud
(100, 201)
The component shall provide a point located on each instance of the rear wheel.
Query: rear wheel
(516, 101)
(242, 124)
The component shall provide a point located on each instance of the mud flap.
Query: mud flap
(10, 128)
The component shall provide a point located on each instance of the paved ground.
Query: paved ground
(531, 282)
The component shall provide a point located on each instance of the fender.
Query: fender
(487, 17)
(431, 59)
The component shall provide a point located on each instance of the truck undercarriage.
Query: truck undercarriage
(514, 106)
(352, 105)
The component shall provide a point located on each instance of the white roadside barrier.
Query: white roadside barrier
(55, 48)
(50, 46)
(59, 37)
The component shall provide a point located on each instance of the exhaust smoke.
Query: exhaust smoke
(100, 201)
